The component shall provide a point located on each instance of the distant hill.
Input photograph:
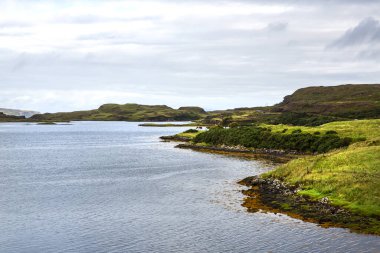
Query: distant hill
(347, 101)
(16, 112)
(309, 106)
(10, 118)
(127, 112)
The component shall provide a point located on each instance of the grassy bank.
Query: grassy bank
(343, 177)
(348, 178)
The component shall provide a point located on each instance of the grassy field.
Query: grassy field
(189, 135)
(356, 129)
(348, 177)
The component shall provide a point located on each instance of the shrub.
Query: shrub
(233, 125)
(331, 132)
(191, 131)
(258, 137)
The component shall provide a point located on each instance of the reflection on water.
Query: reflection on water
(114, 187)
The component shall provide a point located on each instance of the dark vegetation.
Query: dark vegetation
(304, 119)
(264, 138)
(191, 131)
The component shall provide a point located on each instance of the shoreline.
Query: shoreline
(279, 156)
(273, 195)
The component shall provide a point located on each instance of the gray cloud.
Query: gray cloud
(230, 55)
(366, 32)
(277, 26)
(91, 19)
(14, 24)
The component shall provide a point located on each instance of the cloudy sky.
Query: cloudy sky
(70, 55)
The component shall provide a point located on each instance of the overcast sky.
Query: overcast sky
(71, 55)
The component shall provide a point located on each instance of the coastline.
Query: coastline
(279, 156)
(268, 193)
(274, 195)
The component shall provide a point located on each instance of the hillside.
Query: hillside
(126, 112)
(346, 101)
(311, 106)
(9, 118)
(16, 112)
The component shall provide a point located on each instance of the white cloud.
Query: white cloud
(216, 54)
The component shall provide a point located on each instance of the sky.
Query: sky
(218, 54)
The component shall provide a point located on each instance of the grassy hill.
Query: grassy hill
(346, 101)
(311, 106)
(126, 112)
(348, 177)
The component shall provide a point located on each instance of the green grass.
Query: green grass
(189, 135)
(356, 129)
(348, 177)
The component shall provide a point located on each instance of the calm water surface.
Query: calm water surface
(114, 187)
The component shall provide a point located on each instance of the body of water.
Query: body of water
(114, 187)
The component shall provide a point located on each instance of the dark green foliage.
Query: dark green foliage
(331, 132)
(284, 131)
(233, 124)
(304, 119)
(191, 131)
(297, 131)
(317, 133)
(258, 137)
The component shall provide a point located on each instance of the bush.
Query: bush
(317, 133)
(258, 137)
(191, 131)
(331, 132)
(233, 125)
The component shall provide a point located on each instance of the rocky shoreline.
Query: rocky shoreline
(175, 138)
(276, 155)
(273, 195)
